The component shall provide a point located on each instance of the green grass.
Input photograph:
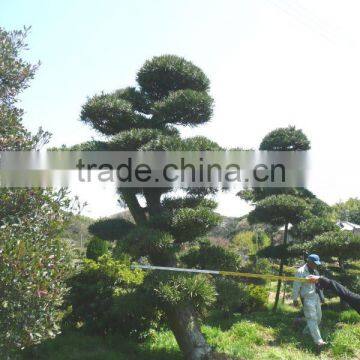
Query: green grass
(260, 336)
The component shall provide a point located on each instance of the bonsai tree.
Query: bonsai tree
(279, 210)
(171, 91)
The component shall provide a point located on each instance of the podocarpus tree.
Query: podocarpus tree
(171, 91)
(288, 139)
(279, 210)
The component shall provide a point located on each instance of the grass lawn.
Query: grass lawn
(261, 335)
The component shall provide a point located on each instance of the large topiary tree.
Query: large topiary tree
(171, 91)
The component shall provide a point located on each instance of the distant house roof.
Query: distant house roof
(348, 226)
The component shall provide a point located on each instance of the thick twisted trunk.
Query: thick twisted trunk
(137, 212)
(184, 325)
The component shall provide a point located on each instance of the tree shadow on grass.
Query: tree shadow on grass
(75, 345)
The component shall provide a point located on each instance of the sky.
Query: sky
(272, 63)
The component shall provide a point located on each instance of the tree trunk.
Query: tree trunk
(281, 271)
(137, 212)
(284, 293)
(278, 289)
(185, 327)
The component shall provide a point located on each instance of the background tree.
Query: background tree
(348, 210)
(34, 262)
(317, 218)
(279, 210)
(336, 244)
(171, 91)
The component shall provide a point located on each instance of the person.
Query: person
(310, 298)
(348, 296)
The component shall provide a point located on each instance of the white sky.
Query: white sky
(271, 63)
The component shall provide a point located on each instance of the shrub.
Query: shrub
(96, 248)
(34, 266)
(239, 297)
(249, 242)
(104, 297)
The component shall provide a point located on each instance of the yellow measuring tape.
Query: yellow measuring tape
(223, 273)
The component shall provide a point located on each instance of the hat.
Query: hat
(314, 258)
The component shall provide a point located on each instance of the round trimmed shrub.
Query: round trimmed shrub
(96, 248)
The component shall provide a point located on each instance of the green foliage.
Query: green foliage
(34, 265)
(76, 230)
(249, 242)
(234, 296)
(16, 74)
(172, 90)
(257, 266)
(279, 251)
(279, 210)
(173, 290)
(171, 203)
(184, 223)
(34, 262)
(200, 143)
(187, 223)
(137, 99)
(92, 145)
(17, 203)
(212, 257)
(339, 244)
(348, 210)
(285, 139)
(309, 228)
(135, 139)
(96, 248)
(111, 229)
(184, 107)
(164, 74)
(102, 297)
(109, 114)
(144, 241)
